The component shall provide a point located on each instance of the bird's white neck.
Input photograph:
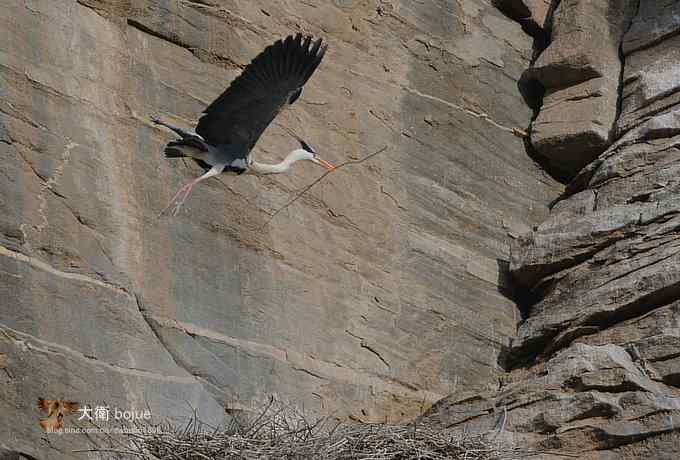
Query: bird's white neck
(294, 156)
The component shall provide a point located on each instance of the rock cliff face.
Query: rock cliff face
(595, 362)
(384, 289)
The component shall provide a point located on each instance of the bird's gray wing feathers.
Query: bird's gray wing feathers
(268, 84)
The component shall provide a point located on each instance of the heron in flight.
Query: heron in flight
(231, 125)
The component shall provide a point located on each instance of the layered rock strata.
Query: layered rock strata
(595, 368)
(374, 295)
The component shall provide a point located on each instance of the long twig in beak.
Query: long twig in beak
(304, 190)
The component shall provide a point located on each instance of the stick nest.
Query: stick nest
(280, 432)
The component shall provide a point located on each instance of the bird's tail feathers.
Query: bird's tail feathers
(173, 152)
(189, 147)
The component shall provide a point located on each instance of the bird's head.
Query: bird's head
(307, 153)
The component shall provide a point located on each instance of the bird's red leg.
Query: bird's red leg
(183, 193)
(178, 199)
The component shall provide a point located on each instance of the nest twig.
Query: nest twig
(281, 432)
(319, 179)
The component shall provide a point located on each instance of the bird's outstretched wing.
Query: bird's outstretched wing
(268, 84)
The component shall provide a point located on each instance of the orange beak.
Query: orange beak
(325, 164)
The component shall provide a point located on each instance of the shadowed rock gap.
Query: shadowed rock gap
(622, 57)
(531, 89)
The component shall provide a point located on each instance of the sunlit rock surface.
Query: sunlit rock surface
(595, 372)
(382, 290)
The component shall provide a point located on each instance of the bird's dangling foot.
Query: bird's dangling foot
(183, 193)
(178, 200)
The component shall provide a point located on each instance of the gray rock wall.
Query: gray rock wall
(595, 361)
(384, 289)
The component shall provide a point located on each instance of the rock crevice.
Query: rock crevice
(594, 365)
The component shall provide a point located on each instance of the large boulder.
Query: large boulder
(580, 72)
